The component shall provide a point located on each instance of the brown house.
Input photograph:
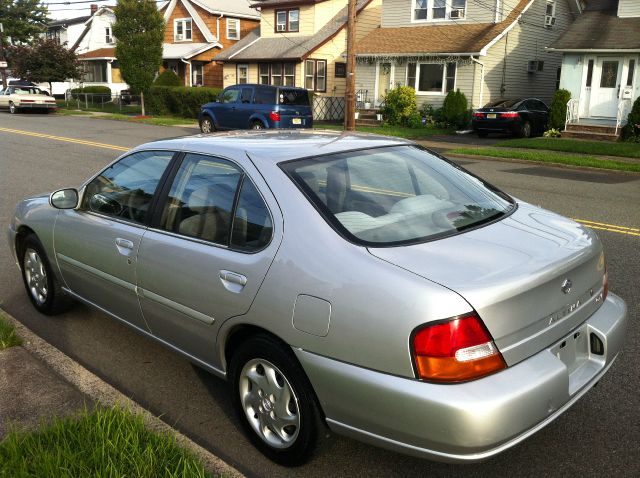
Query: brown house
(198, 30)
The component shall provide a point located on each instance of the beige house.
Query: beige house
(299, 43)
(488, 49)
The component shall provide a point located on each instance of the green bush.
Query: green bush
(182, 101)
(552, 133)
(631, 131)
(455, 110)
(400, 106)
(168, 78)
(558, 111)
(95, 90)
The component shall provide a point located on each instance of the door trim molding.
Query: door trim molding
(96, 272)
(183, 309)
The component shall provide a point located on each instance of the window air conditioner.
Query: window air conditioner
(179, 36)
(458, 13)
(549, 21)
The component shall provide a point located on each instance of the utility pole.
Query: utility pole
(350, 95)
(3, 59)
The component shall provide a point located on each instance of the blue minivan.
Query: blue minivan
(257, 107)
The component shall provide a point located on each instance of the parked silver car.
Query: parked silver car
(358, 282)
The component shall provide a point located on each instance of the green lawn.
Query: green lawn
(8, 337)
(549, 157)
(399, 131)
(105, 442)
(156, 120)
(629, 150)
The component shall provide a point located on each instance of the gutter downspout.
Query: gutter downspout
(498, 15)
(481, 80)
(188, 62)
(218, 27)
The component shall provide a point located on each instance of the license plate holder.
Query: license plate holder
(296, 121)
(491, 116)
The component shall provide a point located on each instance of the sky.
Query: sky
(58, 10)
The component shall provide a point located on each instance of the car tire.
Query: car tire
(525, 130)
(39, 280)
(482, 134)
(12, 108)
(206, 125)
(279, 415)
(256, 125)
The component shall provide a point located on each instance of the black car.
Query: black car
(523, 117)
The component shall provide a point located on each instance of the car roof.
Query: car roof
(275, 146)
(283, 87)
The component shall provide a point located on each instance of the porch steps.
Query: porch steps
(368, 118)
(591, 131)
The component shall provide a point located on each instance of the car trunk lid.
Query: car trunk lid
(532, 277)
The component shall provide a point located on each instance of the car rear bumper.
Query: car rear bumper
(497, 125)
(470, 421)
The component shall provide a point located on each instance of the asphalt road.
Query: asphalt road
(599, 436)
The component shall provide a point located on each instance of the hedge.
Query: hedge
(182, 101)
(558, 110)
(167, 78)
(95, 90)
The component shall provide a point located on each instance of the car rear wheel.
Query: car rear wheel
(525, 130)
(274, 401)
(206, 125)
(40, 282)
(12, 108)
(257, 125)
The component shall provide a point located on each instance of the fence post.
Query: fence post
(86, 101)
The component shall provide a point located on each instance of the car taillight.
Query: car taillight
(454, 351)
(274, 116)
(478, 115)
(509, 114)
(49, 101)
(27, 101)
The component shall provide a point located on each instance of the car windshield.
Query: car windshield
(502, 104)
(293, 97)
(396, 195)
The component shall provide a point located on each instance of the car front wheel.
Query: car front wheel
(274, 400)
(206, 125)
(12, 108)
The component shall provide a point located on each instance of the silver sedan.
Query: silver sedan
(353, 282)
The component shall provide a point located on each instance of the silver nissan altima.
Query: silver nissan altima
(354, 282)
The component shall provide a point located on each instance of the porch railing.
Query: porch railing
(573, 112)
(623, 111)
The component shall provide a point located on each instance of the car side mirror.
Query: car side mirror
(64, 199)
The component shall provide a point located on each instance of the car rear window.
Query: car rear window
(396, 195)
(502, 104)
(293, 97)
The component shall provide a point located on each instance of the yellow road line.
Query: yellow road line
(65, 139)
(590, 226)
(604, 224)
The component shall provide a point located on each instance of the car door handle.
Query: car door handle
(233, 277)
(125, 246)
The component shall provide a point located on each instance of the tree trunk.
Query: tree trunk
(142, 102)
(50, 88)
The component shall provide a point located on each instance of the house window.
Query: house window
(233, 29)
(288, 20)
(432, 78)
(95, 71)
(182, 29)
(53, 35)
(632, 69)
(551, 8)
(290, 74)
(589, 73)
(438, 10)
(340, 70)
(198, 74)
(277, 74)
(107, 35)
(558, 76)
(242, 74)
(263, 73)
(315, 76)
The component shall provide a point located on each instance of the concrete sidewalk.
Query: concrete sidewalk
(38, 382)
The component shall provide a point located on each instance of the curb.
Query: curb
(103, 393)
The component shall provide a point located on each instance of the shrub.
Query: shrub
(400, 106)
(455, 111)
(631, 131)
(558, 111)
(415, 121)
(182, 101)
(168, 78)
(95, 90)
(552, 133)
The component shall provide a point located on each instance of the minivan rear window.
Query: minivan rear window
(293, 97)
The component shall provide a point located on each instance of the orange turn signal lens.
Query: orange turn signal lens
(449, 369)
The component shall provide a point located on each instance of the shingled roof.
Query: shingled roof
(470, 38)
(600, 30)
(253, 47)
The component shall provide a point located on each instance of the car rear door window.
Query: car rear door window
(125, 189)
(201, 199)
(264, 96)
(247, 95)
(252, 225)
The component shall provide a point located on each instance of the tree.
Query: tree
(44, 61)
(23, 20)
(139, 29)
(558, 110)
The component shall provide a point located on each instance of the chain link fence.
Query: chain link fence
(124, 102)
(328, 108)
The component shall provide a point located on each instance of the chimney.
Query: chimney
(94, 8)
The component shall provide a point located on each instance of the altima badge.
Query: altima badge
(566, 286)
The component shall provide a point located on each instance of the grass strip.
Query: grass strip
(549, 157)
(8, 336)
(398, 131)
(628, 150)
(104, 442)
(155, 120)
(65, 112)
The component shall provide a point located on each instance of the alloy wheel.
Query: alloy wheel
(36, 276)
(12, 108)
(206, 126)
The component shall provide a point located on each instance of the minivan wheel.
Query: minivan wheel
(40, 282)
(274, 401)
(257, 125)
(12, 108)
(206, 125)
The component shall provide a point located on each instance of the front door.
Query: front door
(204, 259)
(384, 81)
(605, 90)
(96, 245)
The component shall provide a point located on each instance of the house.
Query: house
(300, 43)
(197, 30)
(489, 49)
(601, 54)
